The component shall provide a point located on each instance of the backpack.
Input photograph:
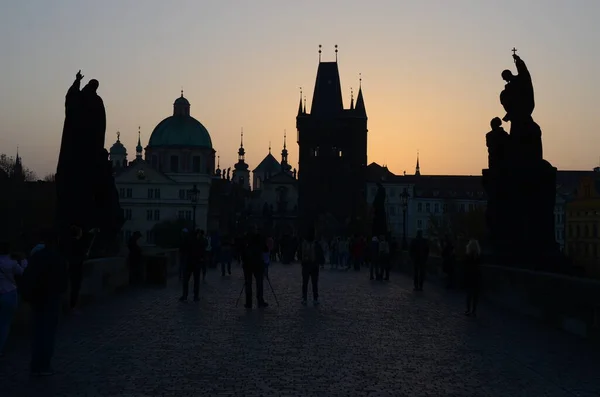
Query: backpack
(308, 251)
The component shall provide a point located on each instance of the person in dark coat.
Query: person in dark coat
(45, 281)
(419, 252)
(253, 265)
(472, 276)
(194, 263)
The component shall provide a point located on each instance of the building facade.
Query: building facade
(156, 186)
(582, 223)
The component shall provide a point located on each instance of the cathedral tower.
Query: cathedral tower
(333, 155)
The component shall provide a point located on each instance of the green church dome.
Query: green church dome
(181, 129)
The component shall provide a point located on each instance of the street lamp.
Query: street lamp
(404, 197)
(193, 197)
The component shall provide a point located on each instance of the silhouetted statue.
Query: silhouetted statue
(517, 97)
(229, 173)
(379, 217)
(520, 184)
(294, 173)
(498, 144)
(86, 192)
(519, 103)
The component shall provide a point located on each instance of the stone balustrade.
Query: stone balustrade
(103, 277)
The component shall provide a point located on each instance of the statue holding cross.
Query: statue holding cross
(518, 101)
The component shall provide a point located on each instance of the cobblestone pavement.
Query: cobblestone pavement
(367, 338)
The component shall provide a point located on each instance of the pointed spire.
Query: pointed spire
(139, 148)
(418, 168)
(284, 154)
(241, 151)
(269, 147)
(304, 108)
(118, 136)
(351, 99)
(320, 52)
(336, 52)
(181, 92)
(360, 102)
(300, 110)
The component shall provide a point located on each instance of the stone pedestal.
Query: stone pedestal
(520, 213)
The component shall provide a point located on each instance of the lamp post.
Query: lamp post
(193, 197)
(404, 197)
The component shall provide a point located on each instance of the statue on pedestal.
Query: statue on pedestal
(519, 183)
(86, 194)
(518, 101)
(498, 144)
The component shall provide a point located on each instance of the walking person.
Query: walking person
(45, 281)
(372, 260)
(194, 247)
(419, 252)
(384, 259)
(201, 253)
(10, 270)
(472, 276)
(253, 265)
(310, 266)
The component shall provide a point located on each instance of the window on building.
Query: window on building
(315, 152)
(174, 163)
(181, 194)
(148, 215)
(150, 193)
(595, 230)
(181, 214)
(462, 208)
(419, 224)
(436, 208)
(127, 214)
(445, 207)
(122, 192)
(471, 207)
(427, 207)
(577, 231)
(340, 153)
(586, 231)
(129, 193)
(127, 235)
(393, 192)
(392, 210)
(188, 215)
(196, 164)
(420, 207)
(149, 237)
(157, 215)
(570, 230)
(157, 193)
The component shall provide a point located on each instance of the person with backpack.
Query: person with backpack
(45, 280)
(10, 270)
(310, 265)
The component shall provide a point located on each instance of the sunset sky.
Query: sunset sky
(430, 72)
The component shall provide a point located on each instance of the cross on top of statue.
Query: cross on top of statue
(514, 51)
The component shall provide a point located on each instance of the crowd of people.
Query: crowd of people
(49, 270)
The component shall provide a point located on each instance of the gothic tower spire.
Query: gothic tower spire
(418, 168)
